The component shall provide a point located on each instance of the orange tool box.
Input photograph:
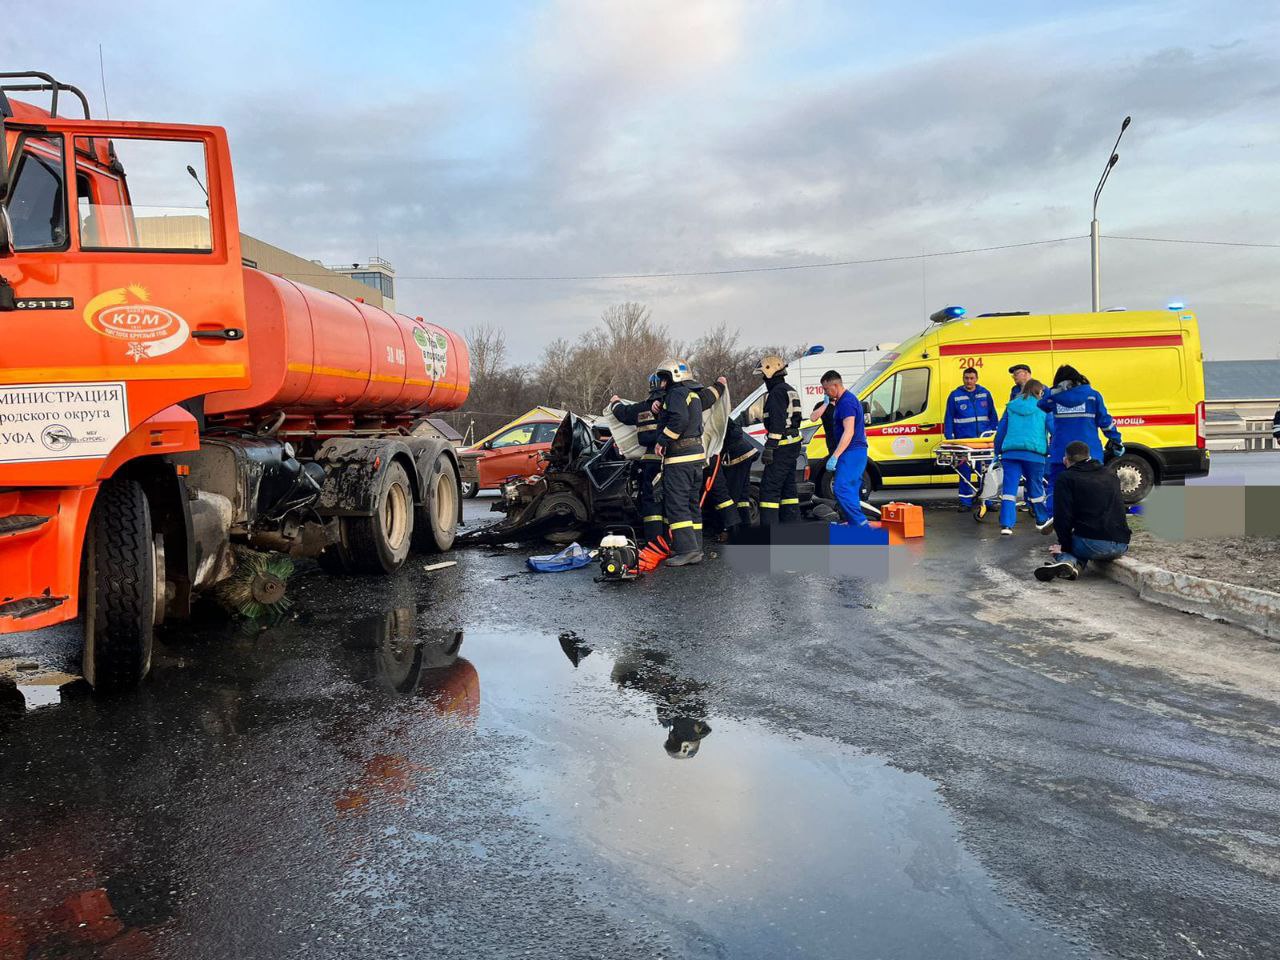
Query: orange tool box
(906, 519)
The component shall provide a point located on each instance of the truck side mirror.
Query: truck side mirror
(866, 408)
(6, 232)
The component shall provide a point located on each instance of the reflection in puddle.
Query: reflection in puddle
(681, 709)
(349, 767)
(25, 685)
(770, 845)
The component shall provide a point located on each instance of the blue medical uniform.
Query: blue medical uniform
(1022, 439)
(1078, 414)
(853, 462)
(969, 414)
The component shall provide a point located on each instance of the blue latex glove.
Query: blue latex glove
(831, 463)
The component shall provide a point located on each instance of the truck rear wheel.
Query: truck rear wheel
(380, 543)
(436, 522)
(119, 577)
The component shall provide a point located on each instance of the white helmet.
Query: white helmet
(677, 371)
(770, 365)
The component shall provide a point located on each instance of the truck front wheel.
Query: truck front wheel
(436, 523)
(380, 543)
(119, 574)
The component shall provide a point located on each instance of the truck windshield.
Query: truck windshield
(873, 372)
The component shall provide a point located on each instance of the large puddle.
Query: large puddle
(611, 775)
(757, 844)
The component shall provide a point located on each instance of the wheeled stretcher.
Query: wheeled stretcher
(980, 454)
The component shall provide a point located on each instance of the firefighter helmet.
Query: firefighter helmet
(771, 366)
(677, 371)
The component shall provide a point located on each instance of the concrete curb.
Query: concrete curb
(1256, 610)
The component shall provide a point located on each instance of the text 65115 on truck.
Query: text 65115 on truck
(164, 408)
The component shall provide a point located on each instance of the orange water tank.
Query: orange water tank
(316, 352)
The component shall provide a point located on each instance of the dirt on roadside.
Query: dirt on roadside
(1246, 561)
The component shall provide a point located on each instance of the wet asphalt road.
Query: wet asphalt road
(473, 762)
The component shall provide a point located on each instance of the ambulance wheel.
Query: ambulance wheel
(118, 587)
(435, 524)
(470, 490)
(1136, 475)
(827, 486)
(380, 543)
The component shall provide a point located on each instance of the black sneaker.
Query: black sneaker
(963, 509)
(1057, 568)
(685, 559)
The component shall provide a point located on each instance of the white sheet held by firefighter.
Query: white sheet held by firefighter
(714, 423)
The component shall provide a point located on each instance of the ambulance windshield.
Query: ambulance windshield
(872, 374)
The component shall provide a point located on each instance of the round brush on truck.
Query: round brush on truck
(166, 411)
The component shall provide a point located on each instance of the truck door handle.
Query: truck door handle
(927, 426)
(229, 333)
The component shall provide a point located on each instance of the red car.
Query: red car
(515, 451)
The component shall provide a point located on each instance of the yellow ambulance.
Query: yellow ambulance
(1147, 365)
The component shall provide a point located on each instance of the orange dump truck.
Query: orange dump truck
(164, 408)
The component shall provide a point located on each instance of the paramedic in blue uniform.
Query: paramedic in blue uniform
(1022, 441)
(1078, 413)
(848, 440)
(970, 412)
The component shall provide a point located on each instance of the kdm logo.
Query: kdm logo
(125, 314)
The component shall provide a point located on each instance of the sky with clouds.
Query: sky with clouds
(588, 137)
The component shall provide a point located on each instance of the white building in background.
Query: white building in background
(377, 274)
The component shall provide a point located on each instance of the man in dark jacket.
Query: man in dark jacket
(1088, 515)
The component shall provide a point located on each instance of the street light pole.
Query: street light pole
(1094, 235)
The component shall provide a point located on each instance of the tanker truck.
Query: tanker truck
(166, 410)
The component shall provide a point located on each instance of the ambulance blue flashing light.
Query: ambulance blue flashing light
(947, 313)
(1176, 305)
(816, 348)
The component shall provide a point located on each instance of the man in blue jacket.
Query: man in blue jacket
(1022, 441)
(1021, 373)
(970, 412)
(848, 460)
(1078, 413)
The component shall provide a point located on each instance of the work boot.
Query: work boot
(685, 559)
(1057, 568)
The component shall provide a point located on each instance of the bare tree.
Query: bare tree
(488, 346)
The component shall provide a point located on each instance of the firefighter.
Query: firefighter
(970, 412)
(735, 464)
(1078, 413)
(680, 447)
(778, 499)
(720, 502)
(641, 416)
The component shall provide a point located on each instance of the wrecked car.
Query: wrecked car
(592, 482)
